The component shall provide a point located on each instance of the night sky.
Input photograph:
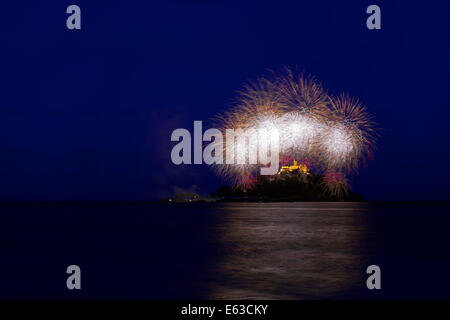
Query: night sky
(88, 114)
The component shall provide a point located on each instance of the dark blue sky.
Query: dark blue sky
(88, 114)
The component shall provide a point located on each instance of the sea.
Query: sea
(303, 250)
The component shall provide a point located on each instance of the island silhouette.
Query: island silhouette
(291, 183)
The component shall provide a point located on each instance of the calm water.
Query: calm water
(225, 251)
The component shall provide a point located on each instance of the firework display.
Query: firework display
(332, 135)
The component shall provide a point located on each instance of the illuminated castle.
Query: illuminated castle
(295, 168)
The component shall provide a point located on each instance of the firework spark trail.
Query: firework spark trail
(334, 135)
(335, 184)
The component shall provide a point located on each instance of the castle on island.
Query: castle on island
(295, 168)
